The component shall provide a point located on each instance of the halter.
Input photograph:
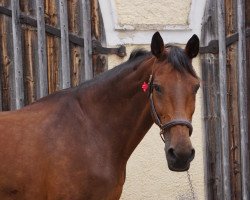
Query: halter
(157, 120)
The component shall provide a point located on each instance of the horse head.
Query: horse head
(172, 87)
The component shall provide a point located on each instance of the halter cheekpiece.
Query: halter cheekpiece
(149, 87)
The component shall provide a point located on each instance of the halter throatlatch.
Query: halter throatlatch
(168, 125)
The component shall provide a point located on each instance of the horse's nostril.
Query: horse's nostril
(175, 155)
(192, 154)
(171, 153)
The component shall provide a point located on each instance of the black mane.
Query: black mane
(138, 53)
(176, 57)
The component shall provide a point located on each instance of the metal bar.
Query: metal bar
(42, 79)
(87, 40)
(5, 11)
(65, 75)
(24, 19)
(99, 49)
(213, 45)
(223, 101)
(18, 94)
(242, 95)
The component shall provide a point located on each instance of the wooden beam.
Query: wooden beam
(211, 81)
(242, 95)
(42, 74)
(232, 93)
(223, 101)
(17, 100)
(87, 40)
(65, 71)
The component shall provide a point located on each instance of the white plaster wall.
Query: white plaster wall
(131, 12)
(148, 177)
(120, 30)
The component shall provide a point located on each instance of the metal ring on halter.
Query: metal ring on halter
(170, 124)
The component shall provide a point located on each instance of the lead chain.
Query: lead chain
(191, 185)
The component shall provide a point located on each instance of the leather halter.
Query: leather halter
(157, 120)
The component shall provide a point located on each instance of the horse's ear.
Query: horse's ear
(192, 47)
(157, 45)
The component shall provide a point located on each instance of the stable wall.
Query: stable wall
(132, 23)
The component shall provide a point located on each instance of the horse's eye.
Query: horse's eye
(157, 88)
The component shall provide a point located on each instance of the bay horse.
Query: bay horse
(75, 144)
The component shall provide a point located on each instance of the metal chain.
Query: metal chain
(191, 185)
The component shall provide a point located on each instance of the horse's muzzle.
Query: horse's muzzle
(179, 161)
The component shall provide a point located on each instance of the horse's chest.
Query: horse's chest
(82, 187)
(90, 186)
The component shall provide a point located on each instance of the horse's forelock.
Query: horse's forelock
(179, 60)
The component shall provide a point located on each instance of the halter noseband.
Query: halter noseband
(157, 120)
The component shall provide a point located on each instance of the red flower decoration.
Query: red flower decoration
(144, 87)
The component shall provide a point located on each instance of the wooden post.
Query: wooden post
(232, 93)
(242, 88)
(42, 71)
(87, 40)
(17, 100)
(223, 101)
(29, 51)
(211, 80)
(65, 71)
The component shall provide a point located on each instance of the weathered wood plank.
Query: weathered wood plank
(17, 96)
(223, 101)
(65, 70)
(247, 14)
(232, 91)
(76, 52)
(242, 87)
(88, 74)
(42, 71)
(212, 136)
(29, 55)
(6, 55)
(29, 50)
(99, 62)
(53, 46)
(6, 58)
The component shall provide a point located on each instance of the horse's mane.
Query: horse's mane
(176, 57)
(136, 53)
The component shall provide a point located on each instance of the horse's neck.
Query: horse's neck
(121, 110)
